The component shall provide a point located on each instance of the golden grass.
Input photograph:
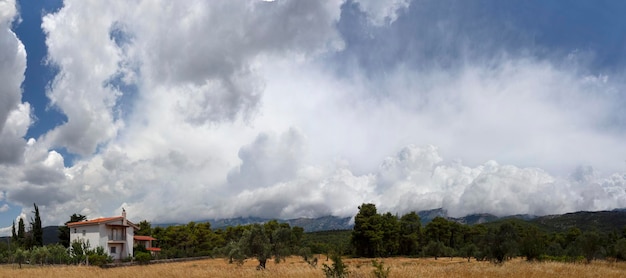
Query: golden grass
(295, 267)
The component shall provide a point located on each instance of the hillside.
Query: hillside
(602, 221)
(324, 223)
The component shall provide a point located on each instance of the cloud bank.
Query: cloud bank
(196, 110)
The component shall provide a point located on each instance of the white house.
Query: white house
(114, 234)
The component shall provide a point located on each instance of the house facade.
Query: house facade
(114, 234)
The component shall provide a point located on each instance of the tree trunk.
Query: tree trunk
(262, 264)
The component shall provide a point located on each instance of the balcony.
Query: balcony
(117, 237)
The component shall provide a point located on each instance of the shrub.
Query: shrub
(98, 260)
(338, 268)
(379, 269)
(143, 257)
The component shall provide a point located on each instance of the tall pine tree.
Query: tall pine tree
(13, 233)
(21, 232)
(36, 228)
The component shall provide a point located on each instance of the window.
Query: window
(84, 232)
(75, 230)
(113, 250)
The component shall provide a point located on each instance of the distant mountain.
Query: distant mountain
(324, 223)
(229, 222)
(602, 221)
(474, 219)
(428, 215)
(50, 235)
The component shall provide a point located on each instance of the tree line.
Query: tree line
(384, 235)
(374, 235)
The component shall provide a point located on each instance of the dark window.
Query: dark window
(113, 250)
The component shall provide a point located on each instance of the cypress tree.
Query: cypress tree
(37, 229)
(21, 232)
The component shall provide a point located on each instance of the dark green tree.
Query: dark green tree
(36, 229)
(64, 231)
(503, 243)
(589, 243)
(21, 232)
(435, 249)
(145, 228)
(410, 230)
(367, 235)
(533, 243)
(391, 234)
(438, 230)
(13, 234)
(255, 243)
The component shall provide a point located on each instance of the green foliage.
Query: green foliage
(36, 229)
(338, 269)
(305, 253)
(468, 251)
(78, 251)
(97, 256)
(99, 260)
(20, 256)
(143, 257)
(58, 254)
(145, 228)
(367, 235)
(39, 255)
(410, 230)
(589, 243)
(64, 231)
(255, 243)
(503, 243)
(379, 269)
(191, 240)
(323, 241)
(435, 249)
(21, 232)
(620, 249)
(533, 243)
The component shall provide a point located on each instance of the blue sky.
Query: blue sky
(181, 111)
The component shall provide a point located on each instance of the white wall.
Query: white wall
(91, 235)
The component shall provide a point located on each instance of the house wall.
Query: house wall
(130, 233)
(91, 234)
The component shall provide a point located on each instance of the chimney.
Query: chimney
(123, 217)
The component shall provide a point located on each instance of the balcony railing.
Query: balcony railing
(117, 237)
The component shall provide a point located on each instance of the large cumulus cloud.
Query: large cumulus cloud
(14, 115)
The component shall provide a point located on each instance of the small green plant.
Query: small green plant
(338, 268)
(379, 269)
(143, 257)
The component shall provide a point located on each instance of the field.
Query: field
(295, 267)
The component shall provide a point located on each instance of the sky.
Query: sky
(191, 110)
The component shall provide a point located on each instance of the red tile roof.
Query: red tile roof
(144, 238)
(95, 221)
(101, 220)
(154, 249)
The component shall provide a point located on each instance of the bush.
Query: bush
(338, 268)
(143, 257)
(379, 269)
(98, 260)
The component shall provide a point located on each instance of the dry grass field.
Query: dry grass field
(295, 267)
